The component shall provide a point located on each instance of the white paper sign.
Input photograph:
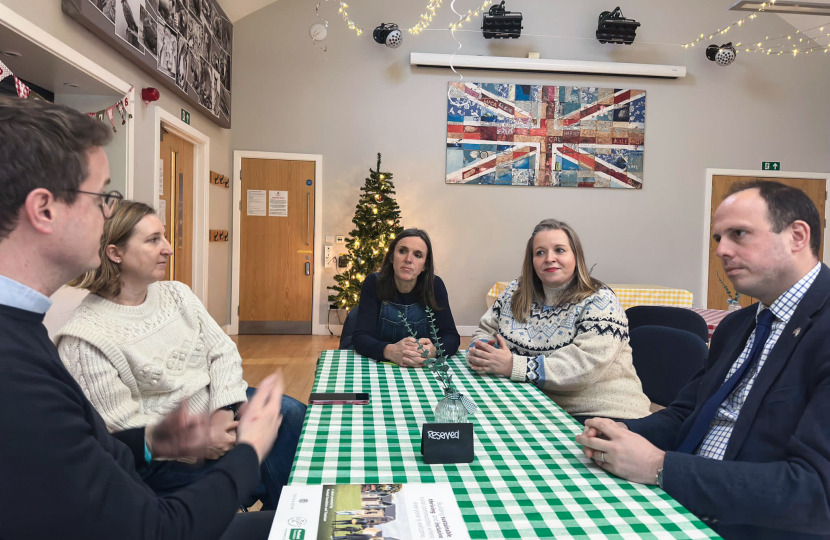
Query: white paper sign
(161, 178)
(278, 203)
(421, 512)
(256, 202)
(163, 212)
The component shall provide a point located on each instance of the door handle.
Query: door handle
(307, 218)
(308, 269)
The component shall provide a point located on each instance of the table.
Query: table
(529, 479)
(629, 295)
(713, 317)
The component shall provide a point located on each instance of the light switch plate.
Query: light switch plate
(329, 239)
(329, 257)
(341, 239)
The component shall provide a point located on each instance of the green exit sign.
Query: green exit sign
(766, 165)
(185, 117)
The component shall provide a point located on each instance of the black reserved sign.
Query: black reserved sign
(447, 443)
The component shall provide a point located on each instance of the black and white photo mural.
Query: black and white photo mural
(185, 44)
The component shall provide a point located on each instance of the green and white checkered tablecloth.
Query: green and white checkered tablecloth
(529, 478)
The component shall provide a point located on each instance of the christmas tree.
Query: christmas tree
(377, 223)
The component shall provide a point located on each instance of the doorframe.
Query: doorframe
(59, 49)
(238, 156)
(707, 211)
(201, 195)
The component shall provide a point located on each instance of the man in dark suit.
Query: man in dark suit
(746, 444)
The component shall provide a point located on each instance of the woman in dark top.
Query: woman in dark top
(405, 286)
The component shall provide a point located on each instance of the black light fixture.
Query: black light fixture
(388, 34)
(501, 24)
(723, 55)
(613, 27)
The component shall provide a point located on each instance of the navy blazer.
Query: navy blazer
(774, 479)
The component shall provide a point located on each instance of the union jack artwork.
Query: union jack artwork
(534, 135)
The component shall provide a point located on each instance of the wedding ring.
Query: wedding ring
(602, 457)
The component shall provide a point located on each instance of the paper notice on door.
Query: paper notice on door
(163, 212)
(256, 202)
(278, 203)
(161, 178)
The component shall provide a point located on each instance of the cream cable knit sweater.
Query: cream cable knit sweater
(137, 363)
(586, 365)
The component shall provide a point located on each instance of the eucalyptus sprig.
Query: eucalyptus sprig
(438, 365)
(730, 299)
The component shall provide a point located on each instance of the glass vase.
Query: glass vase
(450, 410)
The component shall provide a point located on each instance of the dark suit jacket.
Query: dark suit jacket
(774, 479)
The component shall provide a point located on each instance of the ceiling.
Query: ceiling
(806, 22)
(44, 69)
(236, 9)
(809, 25)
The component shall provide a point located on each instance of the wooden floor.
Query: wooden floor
(295, 355)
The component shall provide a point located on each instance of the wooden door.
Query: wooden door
(177, 194)
(276, 270)
(814, 188)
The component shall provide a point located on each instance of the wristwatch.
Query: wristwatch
(659, 478)
(234, 408)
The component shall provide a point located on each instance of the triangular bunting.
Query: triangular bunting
(22, 89)
(110, 116)
(4, 71)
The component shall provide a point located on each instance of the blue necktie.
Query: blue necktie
(701, 426)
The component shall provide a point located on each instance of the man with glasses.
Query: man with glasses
(109, 201)
(62, 475)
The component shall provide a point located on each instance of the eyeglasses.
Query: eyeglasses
(109, 201)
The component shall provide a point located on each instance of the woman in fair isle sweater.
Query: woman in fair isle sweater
(139, 347)
(562, 330)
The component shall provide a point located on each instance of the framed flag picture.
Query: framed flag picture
(534, 135)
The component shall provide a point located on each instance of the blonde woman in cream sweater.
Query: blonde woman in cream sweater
(139, 346)
(560, 329)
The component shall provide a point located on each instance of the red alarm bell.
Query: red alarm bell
(149, 95)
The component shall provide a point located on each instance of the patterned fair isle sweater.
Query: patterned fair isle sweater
(137, 363)
(578, 354)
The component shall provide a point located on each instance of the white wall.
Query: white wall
(361, 98)
(116, 150)
(48, 16)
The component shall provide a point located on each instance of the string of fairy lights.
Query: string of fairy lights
(426, 17)
(723, 31)
(768, 46)
(469, 15)
(350, 23)
(793, 43)
(790, 43)
(739, 23)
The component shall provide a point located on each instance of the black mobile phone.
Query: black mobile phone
(334, 398)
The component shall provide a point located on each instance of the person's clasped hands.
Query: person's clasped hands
(619, 451)
(222, 433)
(184, 435)
(406, 352)
(490, 356)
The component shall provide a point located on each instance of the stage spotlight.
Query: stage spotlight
(388, 34)
(613, 27)
(723, 55)
(501, 24)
